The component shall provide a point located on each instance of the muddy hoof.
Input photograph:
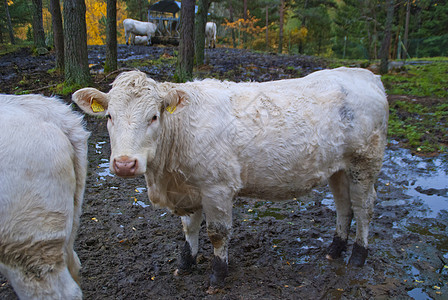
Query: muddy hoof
(187, 260)
(359, 255)
(336, 248)
(219, 273)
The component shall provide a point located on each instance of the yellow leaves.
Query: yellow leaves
(96, 14)
(247, 25)
(95, 11)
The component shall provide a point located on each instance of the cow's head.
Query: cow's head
(134, 108)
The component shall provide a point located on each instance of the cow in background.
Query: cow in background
(201, 143)
(138, 28)
(43, 153)
(139, 39)
(210, 34)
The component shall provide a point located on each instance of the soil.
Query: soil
(130, 250)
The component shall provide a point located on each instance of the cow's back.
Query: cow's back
(281, 130)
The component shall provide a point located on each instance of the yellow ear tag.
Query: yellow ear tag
(96, 107)
(171, 109)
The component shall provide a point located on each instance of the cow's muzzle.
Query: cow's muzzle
(125, 166)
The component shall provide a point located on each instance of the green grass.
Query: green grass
(8, 48)
(423, 80)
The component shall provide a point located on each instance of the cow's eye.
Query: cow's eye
(154, 119)
(109, 117)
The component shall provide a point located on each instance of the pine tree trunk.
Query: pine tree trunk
(199, 36)
(184, 70)
(385, 45)
(111, 37)
(38, 25)
(267, 30)
(231, 20)
(75, 43)
(406, 29)
(8, 18)
(58, 33)
(280, 37)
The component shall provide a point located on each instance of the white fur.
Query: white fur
(139, 40)
(210, 34)
(43, 150)
(138, 28)
(273, 140)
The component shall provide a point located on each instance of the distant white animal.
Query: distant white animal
(138, 28)
(201, 143)
(43, 154)
(139, 39)
(210, 34)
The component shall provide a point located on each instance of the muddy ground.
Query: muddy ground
(129, 249)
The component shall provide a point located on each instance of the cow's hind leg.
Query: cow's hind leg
(339, 185)
(217, 205)
(191, 225)
(362, 175)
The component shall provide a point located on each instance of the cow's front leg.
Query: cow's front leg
(191, 225)
(218, 213)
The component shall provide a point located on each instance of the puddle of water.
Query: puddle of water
(140, 203)
(423, 179)
(418, 294)
(103, 170)
(99, 146)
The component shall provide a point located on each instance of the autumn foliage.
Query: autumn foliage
(247, 26)
(96, 21)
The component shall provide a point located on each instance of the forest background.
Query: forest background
(328, 28)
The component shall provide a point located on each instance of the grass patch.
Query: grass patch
(65, 89)
(418, 127)
(423, 80)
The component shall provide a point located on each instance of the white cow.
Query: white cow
(139, 39)
(210, 34)
(43, 153)
(201, 143)
(138, 28)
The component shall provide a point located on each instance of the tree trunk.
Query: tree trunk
(385, 45)
(199, 34)
(111, 37)
(267, 31)
(280, 35)
(301, 46)
(184, 71)
(75, 43)
(231, 20)
(406, 29)
(38, 25)
(245, 18)
(58, 33)
(8, 17)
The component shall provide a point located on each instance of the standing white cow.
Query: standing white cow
(210, 34)
(138, 28)
(201, 143)
(43, 153)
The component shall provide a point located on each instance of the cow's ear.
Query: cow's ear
(91, 101)
(175, 100)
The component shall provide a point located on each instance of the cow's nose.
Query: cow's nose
(125, 166)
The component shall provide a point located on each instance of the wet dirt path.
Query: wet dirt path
(129, 249)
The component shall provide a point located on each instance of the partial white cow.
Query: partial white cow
(43, 153)
(138, 28)
(201, 143)
(210, 34)
(139, 39)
